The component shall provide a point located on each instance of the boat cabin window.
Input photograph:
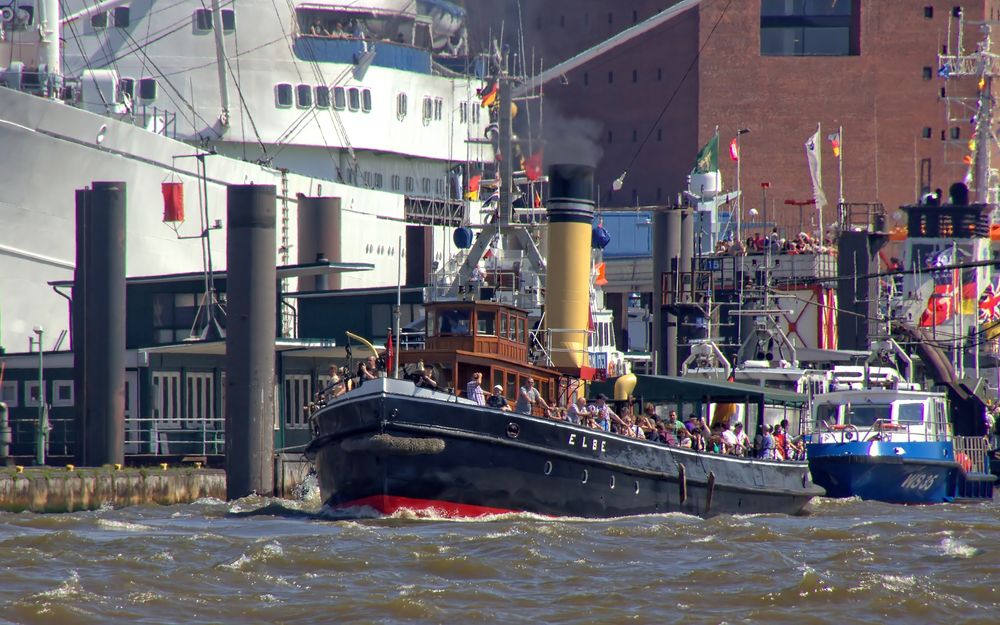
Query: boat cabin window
(497, 378)
(303, 96)
(454, 321)
(504, 319)
(428, 109)
(911, 413)
(865, 415)
(400, 105)
(322, 97)
(366, 100)
(339, 98)
(431, 323)
(353, 99)
(826, 412)
(486, 323)
(520, 331)
(122, 17)
(512, 386)
(147, 89)
(512, 329)
(283, 95)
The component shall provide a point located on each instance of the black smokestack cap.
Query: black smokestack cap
(571, 183)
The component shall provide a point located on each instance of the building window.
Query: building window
(322, 97)
(147, 89)
(401, 105)
(353, 99)
(31, 393)
(943, 92)
(303, 96)
(339, 98)
(409, 184)
(956, 132)
(283, 95)
(929, 12)
(808, 28)
(298, 393)
(62, 393)
(926, 133)
(928, 73)
(394, 182)
(8, 393)
(167, 397)
(425, 186)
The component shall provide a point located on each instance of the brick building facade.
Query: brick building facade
(777, 67)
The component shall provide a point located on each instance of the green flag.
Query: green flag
(708, 157)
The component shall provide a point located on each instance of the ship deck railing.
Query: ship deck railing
(884, 430)
(973, 453)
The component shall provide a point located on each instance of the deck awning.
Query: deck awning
(662, 388)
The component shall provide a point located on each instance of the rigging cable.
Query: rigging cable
(673, 95)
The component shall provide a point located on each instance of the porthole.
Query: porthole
(586, 476)
(612, 481)
(548, 467)
(637, 487)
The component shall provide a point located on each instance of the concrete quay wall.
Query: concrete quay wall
(45, 489)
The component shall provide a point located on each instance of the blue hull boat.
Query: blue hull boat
(894, 445)
(904, 472)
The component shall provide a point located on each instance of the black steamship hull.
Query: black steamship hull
(390, 446)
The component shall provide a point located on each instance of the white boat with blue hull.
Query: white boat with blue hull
(894, 445)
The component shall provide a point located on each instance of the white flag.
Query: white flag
(814, 156)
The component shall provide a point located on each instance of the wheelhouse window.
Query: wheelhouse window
(322, 97)
(809, 28)
(454, 321)
(866, 415)
(486, 323)
(283, 95)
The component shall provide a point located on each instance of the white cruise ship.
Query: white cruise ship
(371, 101)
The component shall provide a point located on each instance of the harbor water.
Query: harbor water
(278, 561)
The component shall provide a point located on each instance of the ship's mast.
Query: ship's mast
(983, 65)
(48, 50)
(220, 53)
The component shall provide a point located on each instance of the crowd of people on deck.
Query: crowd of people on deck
(774, 244)
(772, 442)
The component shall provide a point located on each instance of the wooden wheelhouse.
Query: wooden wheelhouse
(462, 338)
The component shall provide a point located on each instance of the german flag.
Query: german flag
(489, 95)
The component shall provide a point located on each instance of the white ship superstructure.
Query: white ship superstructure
(345, 99)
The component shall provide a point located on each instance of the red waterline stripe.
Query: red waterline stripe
(388, 504)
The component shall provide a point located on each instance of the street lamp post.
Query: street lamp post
(42, 431)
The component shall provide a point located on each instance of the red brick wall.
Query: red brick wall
(880, 98)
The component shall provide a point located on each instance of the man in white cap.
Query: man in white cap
(497, 400)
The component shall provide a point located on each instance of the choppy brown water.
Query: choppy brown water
(276, 561)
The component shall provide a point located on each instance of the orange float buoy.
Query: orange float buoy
(964, 461)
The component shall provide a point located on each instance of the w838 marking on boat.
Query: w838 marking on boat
(919, 481)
